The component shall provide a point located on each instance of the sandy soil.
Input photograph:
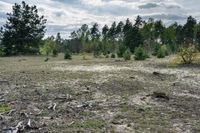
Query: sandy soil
(98, 95)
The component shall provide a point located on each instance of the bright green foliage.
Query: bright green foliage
(161, 53)
(49, 48)
(165, 49)
(67, 55)
(113, 55)
(127, 55)
(140, 54)
(4, 108)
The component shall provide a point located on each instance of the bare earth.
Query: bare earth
(98, 95)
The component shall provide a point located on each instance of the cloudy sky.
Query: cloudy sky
(64, 16)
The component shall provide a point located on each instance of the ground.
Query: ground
(98, 95)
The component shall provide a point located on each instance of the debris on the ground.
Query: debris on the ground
(160, 95)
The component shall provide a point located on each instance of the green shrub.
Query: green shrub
(54, 53)
(188, 54)
(121, 50)
(107, 56)
(67, 55)
(113, 55)
(97, 53)
(127, 55)
(165, 49)
(49, 48)
(140, 54)
(155, 49)
(162, 52)
(2, 53)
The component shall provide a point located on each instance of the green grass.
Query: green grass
(88, 124)
(4, 108)
(87, 113)
(196, 127)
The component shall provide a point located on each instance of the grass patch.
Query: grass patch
(87, 113)
(89, 124)
(196, 127)
(4, 108)
(147, 119)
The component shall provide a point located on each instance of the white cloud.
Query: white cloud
(66, 15)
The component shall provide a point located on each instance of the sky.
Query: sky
(65, 16)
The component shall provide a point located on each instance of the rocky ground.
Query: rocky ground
(98, 95)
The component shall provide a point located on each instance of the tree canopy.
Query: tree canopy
(23, 31)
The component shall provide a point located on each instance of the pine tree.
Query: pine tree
(188, 30)
(105, 30)
(23, 30)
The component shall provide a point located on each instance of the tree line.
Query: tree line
(24, 33)
(129, 35)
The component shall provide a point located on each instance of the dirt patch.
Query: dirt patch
(100, 95)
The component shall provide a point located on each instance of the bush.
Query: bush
(84, 56)
(165, 49)
(113, 55)
(127, 55)
(107, 56)
(49, 48)
(162, 52)
(2, 53)
(121, 51)
(54, 53)
(67, 55)
(97, 53)
(140, 54)
(155, 49)
(188, 54)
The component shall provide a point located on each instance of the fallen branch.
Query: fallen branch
(11, 111)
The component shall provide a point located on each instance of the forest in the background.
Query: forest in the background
(24, 31)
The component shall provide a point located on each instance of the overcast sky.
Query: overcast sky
(64, 16)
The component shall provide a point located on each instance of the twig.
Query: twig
(54, 107)
(11, 111)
